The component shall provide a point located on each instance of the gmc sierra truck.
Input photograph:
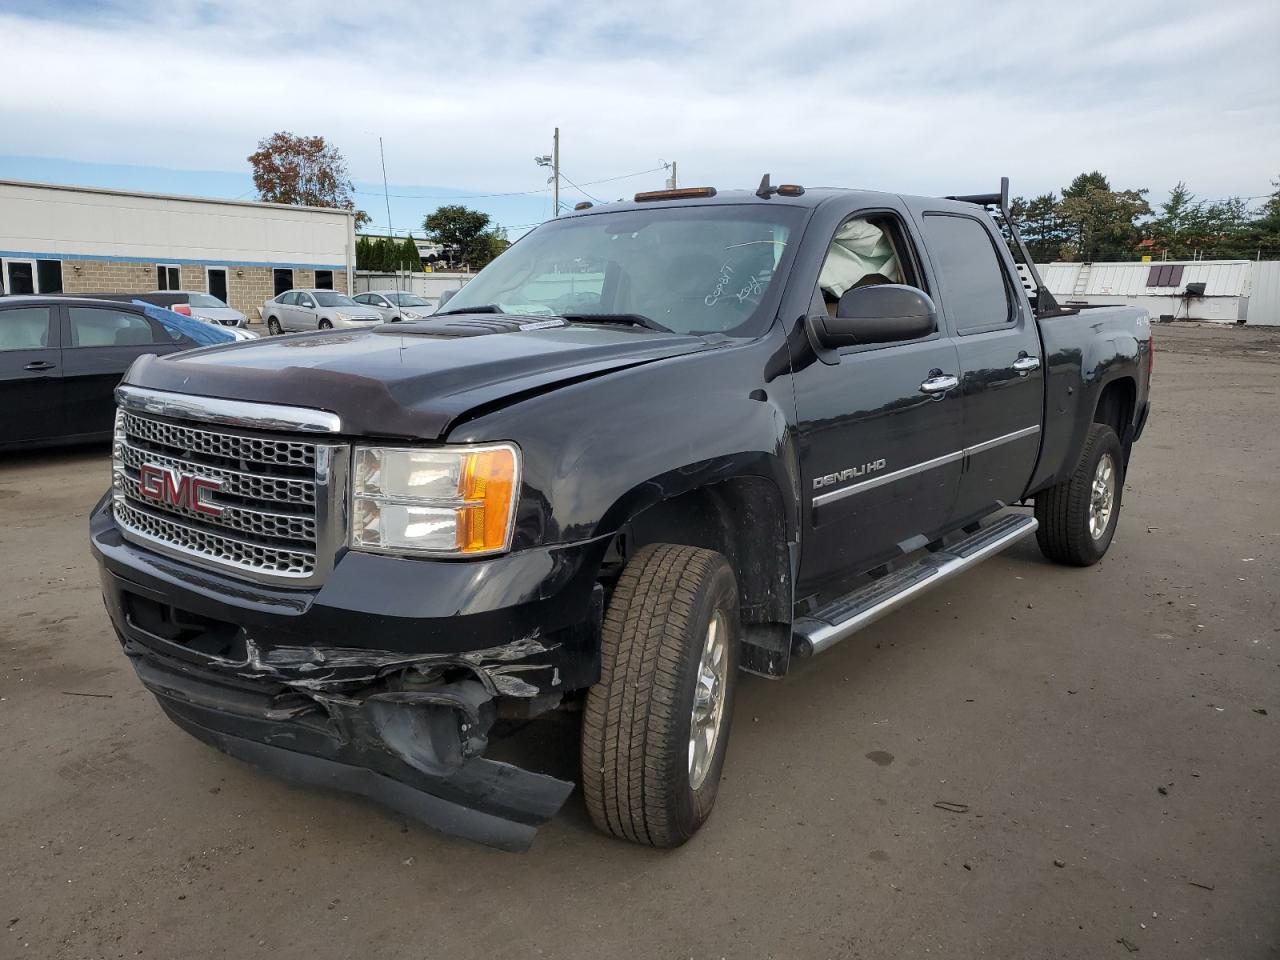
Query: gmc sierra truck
(653, 444)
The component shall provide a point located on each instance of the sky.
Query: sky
(910, 96)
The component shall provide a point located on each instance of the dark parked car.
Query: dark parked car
(758, 421)
(60, 360)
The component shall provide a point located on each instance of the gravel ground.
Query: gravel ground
(1110, 735)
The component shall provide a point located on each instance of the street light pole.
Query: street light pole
(555, 171)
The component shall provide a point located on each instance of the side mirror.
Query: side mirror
(880, 313)
(445, 298)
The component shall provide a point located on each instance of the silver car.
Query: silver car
(316, 310)
(204, 306)
(397, 304)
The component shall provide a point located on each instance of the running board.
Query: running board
(845, 616)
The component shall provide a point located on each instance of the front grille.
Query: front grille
(267, 507)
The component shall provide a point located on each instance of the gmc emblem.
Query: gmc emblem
(179, 489)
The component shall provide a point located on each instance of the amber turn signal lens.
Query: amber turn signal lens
(488, 494)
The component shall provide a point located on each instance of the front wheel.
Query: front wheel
(326, 325)
(656, 725)
(1078, 516)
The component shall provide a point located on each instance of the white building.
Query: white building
(61, 239)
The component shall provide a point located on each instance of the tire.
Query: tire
(637, 771)
(273, 326)
(325, 325)
(1071, 529)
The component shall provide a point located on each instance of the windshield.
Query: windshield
(408, 300)
(327, 299)
(699, 270)
(205, 300)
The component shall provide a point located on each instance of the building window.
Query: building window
(168, 276)
(218, 283)
(283, 280)
(324, 279)
(49, 275)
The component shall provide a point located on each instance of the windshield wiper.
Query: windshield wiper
(631, 319)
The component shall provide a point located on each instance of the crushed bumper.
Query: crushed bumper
(415, 751)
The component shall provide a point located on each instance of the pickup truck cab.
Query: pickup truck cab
(652, 445)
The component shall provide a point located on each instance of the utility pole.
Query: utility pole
(386, 193)
(552, 160)
(555, 172)
(671, 180)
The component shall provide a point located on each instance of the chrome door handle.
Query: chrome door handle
(39, 365)
(1025, 365)
(939, 384)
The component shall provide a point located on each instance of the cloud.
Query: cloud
(923, 96)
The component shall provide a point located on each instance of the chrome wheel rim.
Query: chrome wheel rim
(1102, 498)
(708, 700)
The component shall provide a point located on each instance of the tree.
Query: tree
(465, 235)
(410, 259)
(1100, 223)
(1041, 229)
(304, 171)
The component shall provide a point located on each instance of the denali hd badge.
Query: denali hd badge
(178, 489)
(848, 473)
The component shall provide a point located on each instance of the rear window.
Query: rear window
(973, 287)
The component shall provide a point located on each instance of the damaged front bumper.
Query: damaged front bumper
(397, 706)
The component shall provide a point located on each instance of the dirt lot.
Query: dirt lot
(1123, 721)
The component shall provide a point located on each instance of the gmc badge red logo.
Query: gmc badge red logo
(179, 489)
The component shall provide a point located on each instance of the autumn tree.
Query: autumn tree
(303, 171)
(465, 234)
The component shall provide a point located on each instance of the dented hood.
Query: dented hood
(410, 379)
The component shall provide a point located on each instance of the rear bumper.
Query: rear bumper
(416, 753)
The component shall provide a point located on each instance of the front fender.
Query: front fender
(599, 451)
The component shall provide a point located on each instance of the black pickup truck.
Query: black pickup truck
(652, 445)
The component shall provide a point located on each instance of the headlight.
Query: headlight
(342, 316)
(439, 502)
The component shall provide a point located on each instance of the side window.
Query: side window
(363, 298)
(24, 328)
(304, 300)
(287, 299)
(974, 287)
(866, 250)
(95, 327)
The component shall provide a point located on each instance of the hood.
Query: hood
(413, 379)
(218, 314)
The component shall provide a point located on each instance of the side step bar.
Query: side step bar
(847, 615)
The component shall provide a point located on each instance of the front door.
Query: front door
(879, 425)
(1000, 362)
(30, 374)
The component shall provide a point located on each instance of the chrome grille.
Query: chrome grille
(267, 508)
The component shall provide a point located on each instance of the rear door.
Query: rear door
(30, 373)
(1001, 366)
(879, 424)
(99, 343)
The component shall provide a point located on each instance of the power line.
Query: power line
(510, 193)
(579, 189)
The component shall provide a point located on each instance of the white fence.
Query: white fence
(429, 285)
(1264, 301)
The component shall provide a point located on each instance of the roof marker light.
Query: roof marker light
(684, 193)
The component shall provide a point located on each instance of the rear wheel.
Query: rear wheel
(273, 326)
(1078, 516)
(326, 325)
(656, 725)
